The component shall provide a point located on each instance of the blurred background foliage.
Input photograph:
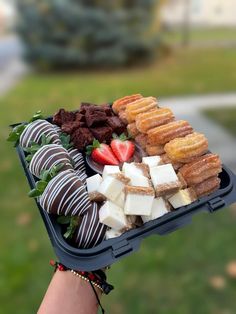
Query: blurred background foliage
(192, 270)
(78, 33)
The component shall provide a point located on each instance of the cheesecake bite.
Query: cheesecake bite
(135, 167)
(113, 185)
(120, 200)
(152, 161)
(107, 170)
(183, 198)
(138, 200)
(93, 183)
(165, 180)
(112, 216)
(111, 233)
(137, 173)
(159, 209)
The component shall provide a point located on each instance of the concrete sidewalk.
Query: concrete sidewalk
(189, 108)
(195, 103)
(12, 68)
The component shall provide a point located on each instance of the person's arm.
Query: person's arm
(68, 293)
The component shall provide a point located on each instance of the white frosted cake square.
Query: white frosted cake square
(108, 170)
(113, 216)
(138, 200)
(165, 180)
(152, 161)
(113, 185)
(183, 198)
(93, 183)
(159, 208)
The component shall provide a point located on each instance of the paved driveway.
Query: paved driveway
(10, 49)
(12, 68)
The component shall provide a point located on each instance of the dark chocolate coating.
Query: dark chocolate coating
(65, 195)
(47, 157)
(90, 232)
(34, 131)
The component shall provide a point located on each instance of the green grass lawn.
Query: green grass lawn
(169, 275)
(199, 35)
(224, 116)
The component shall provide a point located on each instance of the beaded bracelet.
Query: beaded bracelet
(96, 279)
(95, 284)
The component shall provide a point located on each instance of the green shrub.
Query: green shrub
(88, 33)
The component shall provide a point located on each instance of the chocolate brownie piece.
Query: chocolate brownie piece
(95, 117)
(102, 133)
(107, 109)
(63, 116)
(81, 138)
(70, 127)
(80, 117)
(116, 124)
(84, 106)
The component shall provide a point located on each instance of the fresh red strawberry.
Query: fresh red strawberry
(102, 153)
(122, 148)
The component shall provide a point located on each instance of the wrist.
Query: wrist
(97, 279)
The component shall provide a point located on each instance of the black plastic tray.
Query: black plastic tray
(110, 251)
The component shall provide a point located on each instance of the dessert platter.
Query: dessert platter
(105, 177)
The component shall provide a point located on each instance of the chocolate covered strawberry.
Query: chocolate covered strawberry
(35, 131)
(49, 156)
(122, 147)
(102, 153)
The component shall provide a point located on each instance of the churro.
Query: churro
(140, 106)
(121, 103)
(132, 130)
(201, 169)
(148, 120)
(186, 149)
(165, 133)
(207, 187)
(155, 150)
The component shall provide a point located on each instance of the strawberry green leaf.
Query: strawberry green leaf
(34, 193)
(15, 134)
(36, 116)
(74, 221)
(123, 137)
(45, 175)
(13, 137)
(65, 140)
(90, 148)
(63, 220)
(41, 185)
(59, 167)
(115, 136)
(28, 158)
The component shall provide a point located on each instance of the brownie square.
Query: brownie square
(102, 134)
(70, 127)
(80, 117)
(63, 116)
(84, 106)
(81, 138)
(116, 124)
(108, 110)
(95, 117)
